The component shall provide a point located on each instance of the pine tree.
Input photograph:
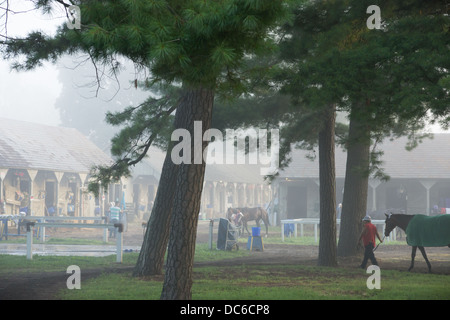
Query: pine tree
(386, 79)
(400, 69)
(196, 44)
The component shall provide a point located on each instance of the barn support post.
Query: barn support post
(211, 231)
(427, 184)
(374, 184)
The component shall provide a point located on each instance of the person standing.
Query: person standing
(368, 238)
(114, 217)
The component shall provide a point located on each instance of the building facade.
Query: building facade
(419, 181)
(44, 170)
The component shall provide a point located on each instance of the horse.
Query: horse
(418, 231)
(249, 214)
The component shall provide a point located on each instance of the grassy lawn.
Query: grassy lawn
(19, 264)
(272, 283)
(245, 282)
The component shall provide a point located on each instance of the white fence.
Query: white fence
(40, 222)
(21, 220)
(316, 222)
(105, 226)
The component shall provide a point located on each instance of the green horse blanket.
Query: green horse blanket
(428, 231)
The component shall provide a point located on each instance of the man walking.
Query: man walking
(368, 237)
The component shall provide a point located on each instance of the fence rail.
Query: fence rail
(316, 223)
(21, 220)
(118, 226)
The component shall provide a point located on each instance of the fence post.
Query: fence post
(43, 233)
(30, 240)
(211, 231)
(315, 232)
(119, 241)
(105, 231)
(105, 234)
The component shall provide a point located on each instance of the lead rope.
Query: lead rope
(378, 244)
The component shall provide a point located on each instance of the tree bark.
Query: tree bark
(189, 184)
(156, 238)
(354, 204)
(153, 250)
(327, 178)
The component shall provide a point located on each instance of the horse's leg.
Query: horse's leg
(413, 255)
(266, 223)
(245, 226)
(422, 249)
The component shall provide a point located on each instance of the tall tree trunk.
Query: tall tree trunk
(156, 238)
(153, 250)
(187, 199)
(327, 178)
(354, 204)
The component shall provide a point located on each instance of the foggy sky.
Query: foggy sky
(31, 95)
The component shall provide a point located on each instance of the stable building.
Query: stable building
(137, 192)
(224, 186)
(44, 170)
(419, 180)
(233, 185)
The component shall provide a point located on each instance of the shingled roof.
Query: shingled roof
(25, 145)
(429, 160)
(245, 173)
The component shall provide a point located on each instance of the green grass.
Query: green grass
(272, 283)
(19, 264)
(244, 282)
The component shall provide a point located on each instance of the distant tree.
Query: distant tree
(395, 83)
(387, 80)
(84, 101)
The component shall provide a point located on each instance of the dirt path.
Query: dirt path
(45, 285)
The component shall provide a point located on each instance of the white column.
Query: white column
(3, 173)
(428, 184)
(374, 184)
(59, 176)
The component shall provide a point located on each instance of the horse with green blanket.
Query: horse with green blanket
(421, 231)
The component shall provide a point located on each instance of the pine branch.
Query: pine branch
(104, 175)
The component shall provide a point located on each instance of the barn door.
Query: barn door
(296, 202)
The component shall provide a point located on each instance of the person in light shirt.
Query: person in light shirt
(114, 217)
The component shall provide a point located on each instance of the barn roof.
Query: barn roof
(244, 173)
(25, 145)
(429, 160)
